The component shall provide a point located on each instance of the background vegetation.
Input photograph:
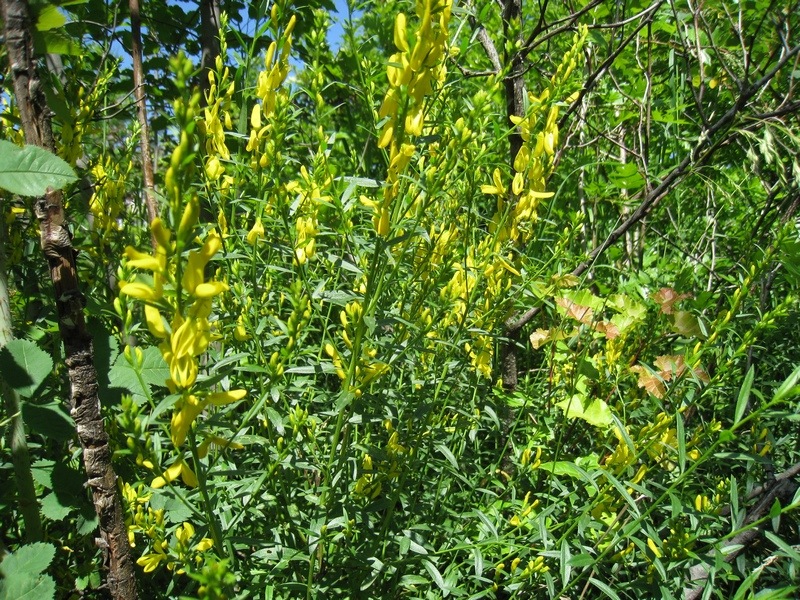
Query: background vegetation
(497, 300)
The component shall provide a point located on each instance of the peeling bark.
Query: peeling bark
(56, 244)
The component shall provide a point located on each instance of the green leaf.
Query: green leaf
(26, 587)
(55, 41)
(597, 413)
(434, 573)
(789, 388)
(30, 559)
(49, 420)
(154, 371)
(30, 170)
(53, 508)
(603, 587)
(744, 396)
(24, 365)
(50, 18)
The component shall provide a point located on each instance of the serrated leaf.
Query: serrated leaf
(24, 365)
(42, 587)
(49, 420)
(154, 371)
(30, 559)
(30, 170)
(54, 508)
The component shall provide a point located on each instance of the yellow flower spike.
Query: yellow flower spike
(256, 233)
(415, 121)
(200, 309)
(518, 184)
(400, 34)
(210, 289)
(240, 333)
(387, 133)
(154, 322)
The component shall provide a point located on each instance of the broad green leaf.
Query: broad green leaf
(789, 388)
(54, 508)
(24, 365)
(31, 558)
(28, 587)
(50, 18)
(30, 170)
(596, 413)
(49, 420)
(55, 41)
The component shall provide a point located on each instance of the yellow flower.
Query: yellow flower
(214, 168)
(256, 233)
(154, 321)
(204, 544)
(178, 469)
(498, 188)
(142, 291)
(183, 419)
(150, 562)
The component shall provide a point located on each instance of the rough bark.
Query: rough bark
(209, 42)
(57, 247)
(141, 113)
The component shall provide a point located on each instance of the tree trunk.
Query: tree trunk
(57, 247)
(209, 42)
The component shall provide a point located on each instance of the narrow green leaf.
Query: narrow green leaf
(566, 566)
(603, 587)
(681, 435)
(448, 455)
(744, 395)
(782, 545)
(30, 170)
(789, 388)
(434, 573)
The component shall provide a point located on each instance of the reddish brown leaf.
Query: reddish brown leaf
(667, 297)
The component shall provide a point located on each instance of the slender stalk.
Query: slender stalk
(26, 492)
(141, 113)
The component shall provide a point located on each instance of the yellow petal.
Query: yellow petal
(140, 291)
(210, 289)
(154, 321)
(221, 398)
